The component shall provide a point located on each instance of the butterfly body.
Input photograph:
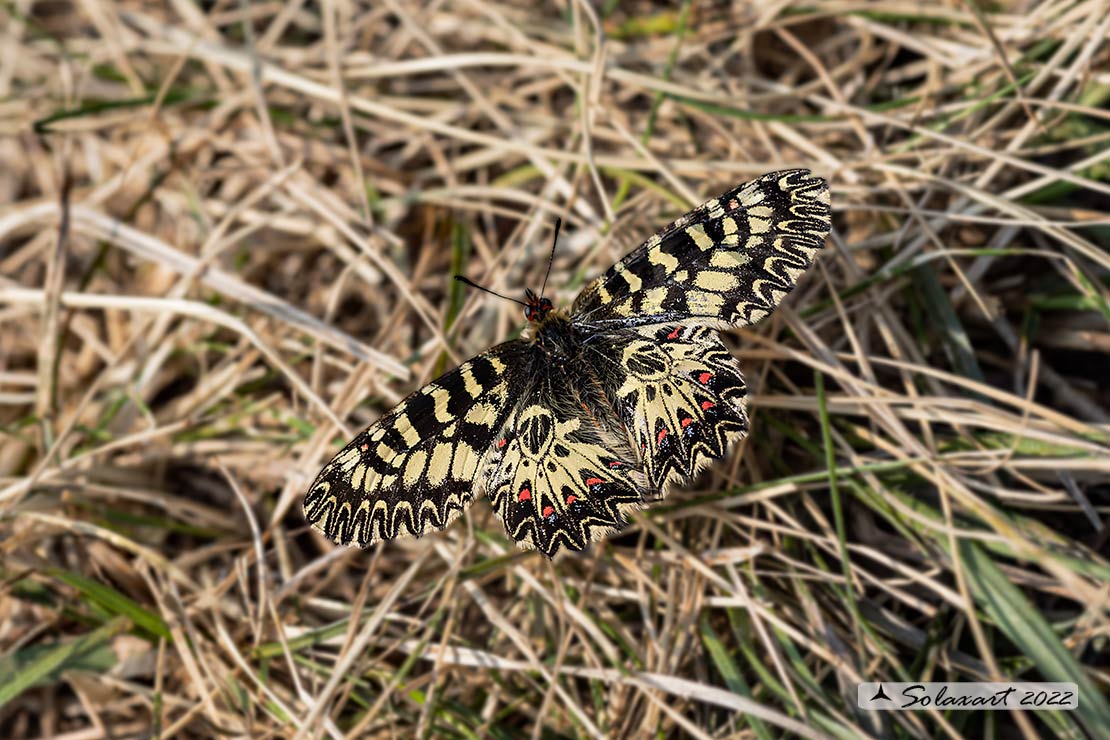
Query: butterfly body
(555, 337)
(594, 411)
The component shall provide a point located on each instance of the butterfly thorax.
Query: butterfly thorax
(554, 333)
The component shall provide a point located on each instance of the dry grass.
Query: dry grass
(226, 235)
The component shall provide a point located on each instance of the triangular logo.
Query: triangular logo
(880, 694)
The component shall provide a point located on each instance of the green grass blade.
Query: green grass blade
(28, 668)
(1025, 626)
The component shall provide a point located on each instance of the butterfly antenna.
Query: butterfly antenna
(551, 259)
(473, 284)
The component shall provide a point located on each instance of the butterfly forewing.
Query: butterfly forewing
(729, 261)
(590, 414)
(415, 469)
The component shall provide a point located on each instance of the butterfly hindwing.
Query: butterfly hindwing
(414, 469)
(681, 397)
(557, 482)
(729, 261)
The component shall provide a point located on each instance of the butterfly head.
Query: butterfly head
(536, 307)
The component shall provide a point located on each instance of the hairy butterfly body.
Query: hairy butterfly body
(595, 410)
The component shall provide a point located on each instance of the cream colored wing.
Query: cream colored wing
(730, 261)
(414, 470)
(556, 482)
(680, 395)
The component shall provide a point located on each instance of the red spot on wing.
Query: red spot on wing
(571, 499)
(662, 434)
(674, 334)
(501, 442)
(364, 446)
(704, 378)
(707, 405)
(593, 481)
(615, 464)
(548, 511)
(687, 422)
(524, 495)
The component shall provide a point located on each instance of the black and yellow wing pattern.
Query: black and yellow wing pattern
(415, 469)
(593, 412)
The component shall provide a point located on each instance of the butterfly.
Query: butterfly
(593, 411)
